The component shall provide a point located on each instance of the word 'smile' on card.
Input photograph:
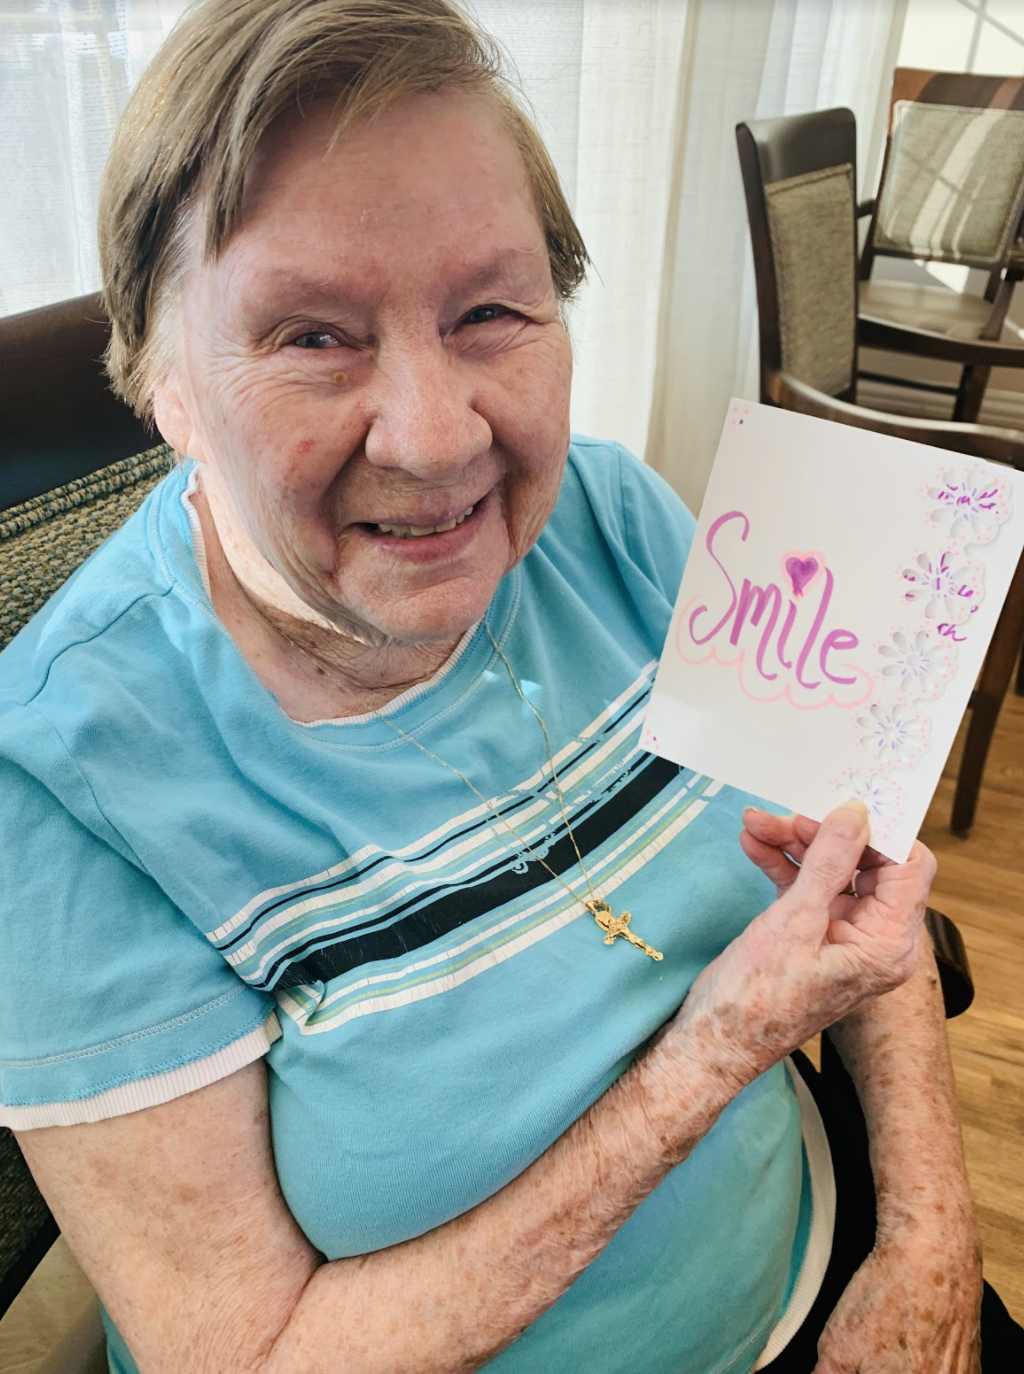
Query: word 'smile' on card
(837, 604)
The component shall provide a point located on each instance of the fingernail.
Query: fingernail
(752, 811)
(849, 820)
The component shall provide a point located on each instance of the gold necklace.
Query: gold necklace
(612, 925)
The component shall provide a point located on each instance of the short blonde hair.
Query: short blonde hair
(227, 71)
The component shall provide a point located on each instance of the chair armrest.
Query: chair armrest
(873, 332)
(951, 958)
(83, 1350)
(980, 441)
(865, 207)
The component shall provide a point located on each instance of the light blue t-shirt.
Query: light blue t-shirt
(181, 861)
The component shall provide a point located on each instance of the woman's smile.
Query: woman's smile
(422, 541)
(417, 531)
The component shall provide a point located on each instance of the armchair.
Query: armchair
(71, 471)
(951, 191)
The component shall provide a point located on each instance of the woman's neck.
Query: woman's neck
(317, 670)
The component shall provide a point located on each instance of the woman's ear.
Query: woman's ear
(174, 421)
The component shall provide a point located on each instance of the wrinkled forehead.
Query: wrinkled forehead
(449, 153)
(432, 187)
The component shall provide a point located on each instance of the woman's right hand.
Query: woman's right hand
(817, 953)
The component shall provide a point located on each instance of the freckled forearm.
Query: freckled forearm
(449, 1301)
(897, 1054)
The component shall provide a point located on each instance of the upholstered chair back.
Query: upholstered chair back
(953, 183)
(74, 464)
(44, 539)
(800, 176)
(811, 230)
(58, 417)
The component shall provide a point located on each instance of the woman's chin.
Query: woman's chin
(440, 616)
(391, 600)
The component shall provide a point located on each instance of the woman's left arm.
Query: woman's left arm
(914, 1304)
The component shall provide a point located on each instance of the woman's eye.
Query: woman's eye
(315, 339)
(484, 314)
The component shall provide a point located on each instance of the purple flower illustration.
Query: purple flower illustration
(946, 586)
(920, 665)
(897, 735)
(882, 797)
(973, 504)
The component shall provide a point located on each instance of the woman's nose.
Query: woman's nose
(423, 414)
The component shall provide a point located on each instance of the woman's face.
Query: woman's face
(378, 350)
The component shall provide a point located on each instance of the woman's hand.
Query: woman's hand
(819, 952)
(912, 1308)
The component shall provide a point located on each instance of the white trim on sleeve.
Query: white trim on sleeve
(823, 1222)
(148, 1092)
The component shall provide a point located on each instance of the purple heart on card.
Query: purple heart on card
(801, 572)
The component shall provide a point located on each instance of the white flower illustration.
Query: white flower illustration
(882, 797)
(920, 665)
(946, 586)
(898, 735)
(973, 504)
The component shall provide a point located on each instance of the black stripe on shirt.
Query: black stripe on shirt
(356, 875)
(446, 908)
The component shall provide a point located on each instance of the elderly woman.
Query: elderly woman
(323, 799)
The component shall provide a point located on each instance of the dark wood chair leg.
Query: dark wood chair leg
(1020, 674)
(970, 394)
(988, 698)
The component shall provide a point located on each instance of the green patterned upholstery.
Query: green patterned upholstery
(26, 1228)
(953, 183)
(44, 540)
(811, 223)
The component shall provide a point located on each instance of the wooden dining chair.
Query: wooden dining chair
(800, 177)
(951, 191)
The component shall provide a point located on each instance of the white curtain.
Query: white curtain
(744, 59)
(66, 70)
(637, 99)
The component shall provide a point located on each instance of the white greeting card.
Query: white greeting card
(837, 604)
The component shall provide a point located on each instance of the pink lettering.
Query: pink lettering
(764, 617)
(819, 617)
(784, 636)
(709, 543)
(838, 640)
(749, 593)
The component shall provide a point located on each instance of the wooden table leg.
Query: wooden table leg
(986, 702)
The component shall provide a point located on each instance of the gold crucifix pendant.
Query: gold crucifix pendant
(614, 926)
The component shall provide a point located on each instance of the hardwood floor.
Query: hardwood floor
(980, 885)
